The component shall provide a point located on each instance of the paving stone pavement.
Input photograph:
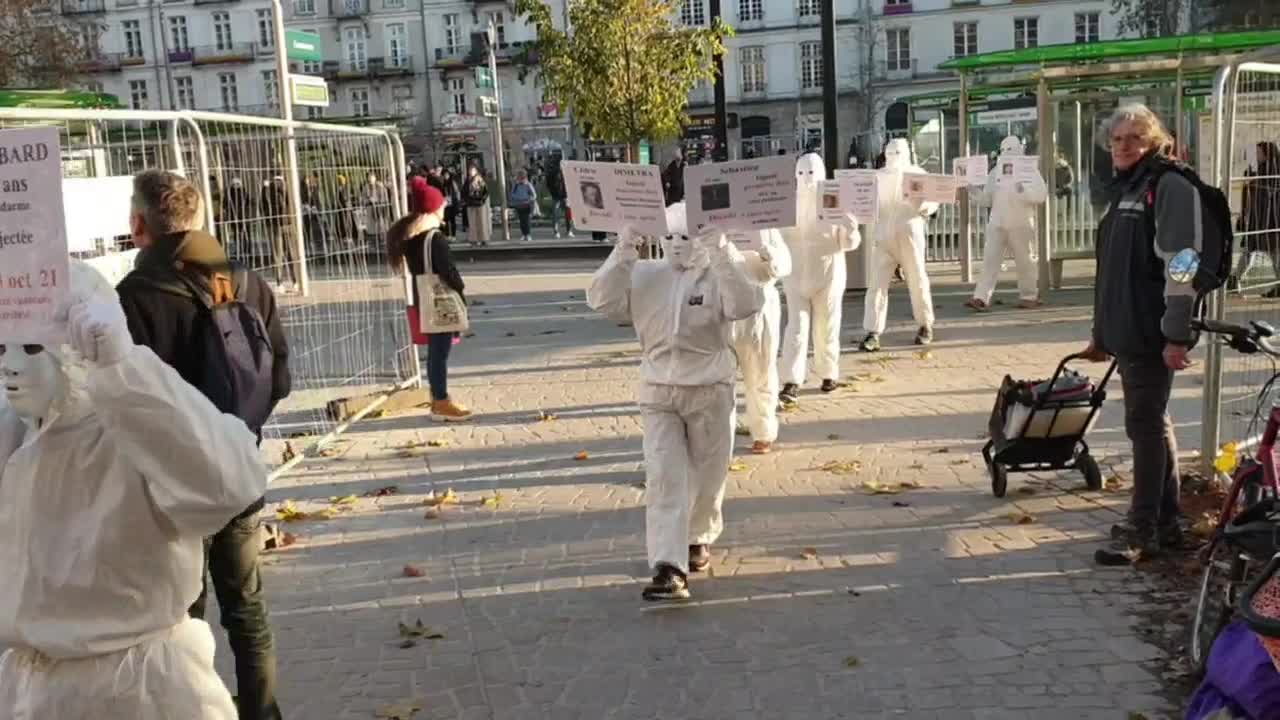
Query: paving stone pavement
(822, 601)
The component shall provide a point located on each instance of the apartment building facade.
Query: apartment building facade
(180, 54)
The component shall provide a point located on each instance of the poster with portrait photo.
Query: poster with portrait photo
(930, 187)
(970, 170)
(608, 197)
(1019, 169)
(741, 195)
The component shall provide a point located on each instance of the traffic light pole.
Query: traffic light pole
(497, 133)
(830, 130)
(721, 129)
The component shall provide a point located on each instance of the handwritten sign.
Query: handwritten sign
(741, 195)
(970, 170)
(609, 197)
(930, 188)
(860, 189)
(33, 237)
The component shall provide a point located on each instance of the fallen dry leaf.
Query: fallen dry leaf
(288, 453)
(873, 487)
(494, 501)
(448, 497)
(809, 553)
(852, 662)
(738, 466)
(916, 466)
(399, 711)
(418, 630)
(833, 436)
(909, 485)
(329, 451)
(1020, 518)
(867, 377)
(413, 571)
(288, 512)
(345, 500)
(1027, 490)
(582, 455)
(383, 491)
(1204, 525)
(842, 467)
(901, 503)
(924, 355)
(787, 408)
(438, 443)
(544, 416)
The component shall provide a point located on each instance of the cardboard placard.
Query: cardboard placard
(741, 195)
(34, 264)
(1018, 168)
(608, 197)
(971, 170)
(929, 187)
(861, 189)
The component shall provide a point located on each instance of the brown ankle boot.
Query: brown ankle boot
(449, 411)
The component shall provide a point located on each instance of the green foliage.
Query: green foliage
(626, 67)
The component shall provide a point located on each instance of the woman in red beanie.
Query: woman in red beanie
(406, 243)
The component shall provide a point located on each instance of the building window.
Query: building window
(230, 96)
(1087, 27)
(133, 41)
(222, 30)
(91, 36)
(393, 4)
(397, 46)
(311, 67)
(750, 10)
(810, 65)
(304, 7)
(499, 28)
(315, 113)
(186, 93)
(356, 56)
(266, 29)
(1026, 33)
(178, 33)
(807, 8)
(360, 102)
(693, 12)
(452, 33)
(966, 39)
(138, 94)
(753, 75)
(271, 88)
(402, 100)
(92, 86)
(898, 49)
(458, 95)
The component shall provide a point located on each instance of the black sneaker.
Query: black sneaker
(871, 343)
(829, 386)
(1135, 546)
(699, 557)
(789, 394)
(924, 335)
(668, 584)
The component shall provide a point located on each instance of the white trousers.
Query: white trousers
(819, 312)
(1018, 240)
(170, 677)
(905, 249)
(688, 443)
(756, 343)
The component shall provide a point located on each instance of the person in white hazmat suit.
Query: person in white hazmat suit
(899, 236)
(815, 288)
(112, 471)
(683, 308)
(755, 339)
(1013, 225)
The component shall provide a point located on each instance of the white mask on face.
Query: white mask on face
(1011, 146)
(897, 154)
(681, 251)
(32, 380)
(810, 170)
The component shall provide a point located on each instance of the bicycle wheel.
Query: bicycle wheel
(1223, 577)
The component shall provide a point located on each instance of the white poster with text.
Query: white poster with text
(608, 197)
(1019, 168)
(930, 188)
(861, 189)
(971, 170)
(33, 237)
(741, 195)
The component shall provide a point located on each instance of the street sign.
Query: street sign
(488, 106)
(484, 78)
(302, 46)
(309, 90)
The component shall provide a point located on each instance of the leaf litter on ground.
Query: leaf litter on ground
(852, 662)
(344, 500)
(418, 631)
(840, 467)
(288, 512)
(809, 553)
(413, 571)
(383, 491)
(448, 497)
(875, 487)
(544, 416)
(582, 455)
(1020, 518)
(494, 501)
(399, 711)
(738, 466)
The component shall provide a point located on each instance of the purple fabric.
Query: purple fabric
(1240, 678)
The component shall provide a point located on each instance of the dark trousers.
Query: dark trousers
(438, 347)
(524, 214)
(231, 558)
(1147, 384)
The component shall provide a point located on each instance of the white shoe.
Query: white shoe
(570, 233)
(557, 234)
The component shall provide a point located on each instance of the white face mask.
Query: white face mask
(810, 170)
(680, 251)
(897, 155)
(1011, 146)
(31, 378)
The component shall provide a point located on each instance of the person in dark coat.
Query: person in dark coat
(673, 179)
(1259, 222)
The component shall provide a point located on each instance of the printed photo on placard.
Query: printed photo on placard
(741, 195)
(609, 197)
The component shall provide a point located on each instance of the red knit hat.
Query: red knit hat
(423, 198)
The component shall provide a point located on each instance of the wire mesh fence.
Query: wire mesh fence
(341, 305)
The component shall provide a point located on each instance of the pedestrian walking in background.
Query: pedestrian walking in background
(1259, 222)
(411, 239)
(475, 195)
(377, 210)
(453, 205)
(522, 198)
(673, 179)
(179, 279)
(280, 231)
(345, 205)
(559, 199)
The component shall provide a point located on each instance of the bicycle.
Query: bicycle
(1245, 531)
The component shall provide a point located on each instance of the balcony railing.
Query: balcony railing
(83, 7)
(391, 65)
(348, 8)
(102, 62)
(227, 53)
(900, 8)
(131, 60)
(185, 55)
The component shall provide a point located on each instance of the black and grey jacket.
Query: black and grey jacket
(1137, 309)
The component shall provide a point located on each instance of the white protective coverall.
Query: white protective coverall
(683, 308)
(755, 339)
(899, 241)
(815, 287)
(1012, 224)
(112, 471)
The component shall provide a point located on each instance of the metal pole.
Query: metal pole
(491, 36)
(721, 129)
(292, 184)
(966, 233)
(1211, 415)
(1044, 111)
(1179, 132)
(830, 130)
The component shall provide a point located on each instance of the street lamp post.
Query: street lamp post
(292, 184)
(491, 40)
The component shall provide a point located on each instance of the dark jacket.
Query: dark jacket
(1259, 223)
(475, 191)
(441, 262)
(1137, 308)
(673, 181)
(165, 321)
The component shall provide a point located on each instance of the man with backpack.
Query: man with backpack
(1158, 209)
(218, 326)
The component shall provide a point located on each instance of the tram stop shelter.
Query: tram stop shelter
(1058, 99)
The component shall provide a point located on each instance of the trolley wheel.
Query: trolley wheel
(999, 478)
(1224, 575)
(1092, 473)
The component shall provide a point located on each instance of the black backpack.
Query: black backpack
(236, 373)
(1216, 226)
